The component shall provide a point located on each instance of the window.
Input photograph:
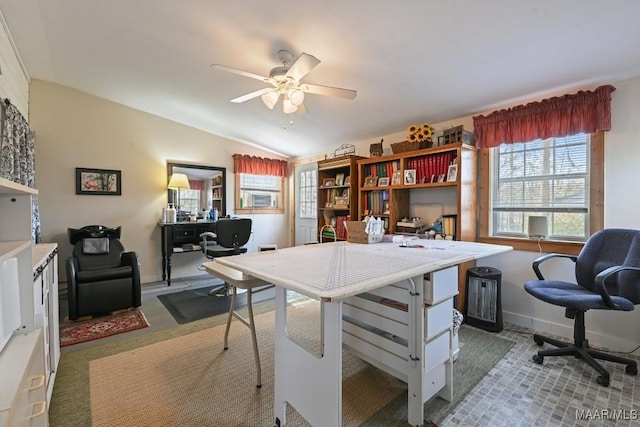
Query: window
(560, 178)
(190, 200)
(259, 193)
(544, 177)
(308, 194)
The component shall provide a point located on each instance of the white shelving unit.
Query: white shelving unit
(35, 342)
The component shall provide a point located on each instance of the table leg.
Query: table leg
(297, 370)
(415, 414)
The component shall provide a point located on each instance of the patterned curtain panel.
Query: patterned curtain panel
(17, 156)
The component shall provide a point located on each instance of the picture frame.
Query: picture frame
(347, 180)
(340, 179)
(397, 178)
(328, 182)
(370, 181)
(98, 182)
(409, 177)
(383, 182)
(441, 177)
(341, 202)
(452, 173)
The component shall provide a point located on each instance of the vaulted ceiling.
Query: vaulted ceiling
(410, 61)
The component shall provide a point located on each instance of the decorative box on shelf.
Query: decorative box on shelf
(405, 146)
(455, 134)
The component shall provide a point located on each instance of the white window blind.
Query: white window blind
(260, 191)
(542, 178)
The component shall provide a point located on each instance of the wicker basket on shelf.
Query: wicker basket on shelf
(404, 146)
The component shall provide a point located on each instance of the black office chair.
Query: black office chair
(230, 237)
(608, 278)
(101, 276)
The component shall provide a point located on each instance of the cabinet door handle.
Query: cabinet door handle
(43, 407)
(40, 383)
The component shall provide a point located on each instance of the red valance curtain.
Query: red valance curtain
(583, 112)
(259, 166)
(196, 184)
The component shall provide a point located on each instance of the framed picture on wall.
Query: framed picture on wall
(98, 182)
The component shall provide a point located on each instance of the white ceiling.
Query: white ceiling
(410, 61)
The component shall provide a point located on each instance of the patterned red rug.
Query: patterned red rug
(75, 332)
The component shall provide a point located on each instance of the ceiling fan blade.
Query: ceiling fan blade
(239, 72)
(302, 65)
(252, 95)
(329, 91)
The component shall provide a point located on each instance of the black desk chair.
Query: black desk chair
(608, 278)
(230, 237)
(101, 276)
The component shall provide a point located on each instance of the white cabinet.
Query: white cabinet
(406, 330)
(22, 389)
(46, 313)
(24, 380)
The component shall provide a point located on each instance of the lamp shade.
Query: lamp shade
(288, 106)
(179, 180)
(296, 96)
(538, 227)
(270, 99)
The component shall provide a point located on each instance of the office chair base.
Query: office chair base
(580, 349)
(222, 291)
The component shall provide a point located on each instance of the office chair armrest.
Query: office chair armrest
(603, 276)
(543, 258)
(208, 235)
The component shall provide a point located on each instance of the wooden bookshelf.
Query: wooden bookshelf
(337, 194)
(431, 166)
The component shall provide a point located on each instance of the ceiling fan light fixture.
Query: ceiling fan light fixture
(296, 96)
(288, 106)
(270, 99)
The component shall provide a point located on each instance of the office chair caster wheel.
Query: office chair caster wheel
(631, 369)
(603, 380)
(538, 359)
(538, 341)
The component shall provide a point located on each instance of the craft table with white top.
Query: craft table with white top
(333, 273)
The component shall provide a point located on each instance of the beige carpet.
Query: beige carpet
(192, 381)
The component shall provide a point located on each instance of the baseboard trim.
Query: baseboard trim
(596, 339)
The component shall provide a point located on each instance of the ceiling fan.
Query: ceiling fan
(286, 82)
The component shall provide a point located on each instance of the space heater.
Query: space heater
(484, 300)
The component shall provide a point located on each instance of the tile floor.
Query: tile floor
(516, 392)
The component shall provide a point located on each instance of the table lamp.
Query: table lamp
(538, 228)
(177, 182)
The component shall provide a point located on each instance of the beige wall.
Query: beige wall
(74, 129)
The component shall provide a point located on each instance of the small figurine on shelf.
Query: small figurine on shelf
(375, 149)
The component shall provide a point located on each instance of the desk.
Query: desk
(177, 234)
(332, 273)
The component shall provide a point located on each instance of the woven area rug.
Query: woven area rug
(192, 381)
(73, 397)
(76, 332)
